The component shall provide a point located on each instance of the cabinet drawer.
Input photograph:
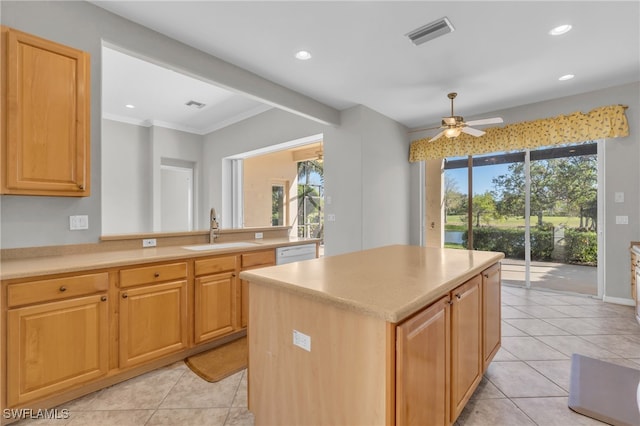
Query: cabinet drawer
(215, 265)
(152, 274)
(267, 257)
(56, 288)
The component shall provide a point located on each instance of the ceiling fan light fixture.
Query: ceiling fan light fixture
(430, 31)
(452, 132)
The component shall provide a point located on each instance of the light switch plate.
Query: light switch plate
(622, 220)
(619, 197)
(78, 222)
(259, 235)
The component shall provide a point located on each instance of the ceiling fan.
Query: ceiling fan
(453, 125)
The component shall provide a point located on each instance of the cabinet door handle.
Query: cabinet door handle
(103, 298)
(458, 296)
(157, 274)
(125, 295)
(81, 187)
(233, 275)
(63, 288)
(450, 302)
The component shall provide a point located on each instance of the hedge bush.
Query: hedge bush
(510, 241)
(581, 247)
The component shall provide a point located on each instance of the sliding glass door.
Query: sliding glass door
(540, 209)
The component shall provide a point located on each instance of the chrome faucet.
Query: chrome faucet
(214, 228)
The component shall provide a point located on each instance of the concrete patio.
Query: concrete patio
(552, 276)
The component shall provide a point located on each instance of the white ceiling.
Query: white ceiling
(499, 56)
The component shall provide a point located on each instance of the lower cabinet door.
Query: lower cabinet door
(491, 319)
(215, 306)
(422, 367)
(244, 303)
(55, 346)
(153, 322)
(466, 344)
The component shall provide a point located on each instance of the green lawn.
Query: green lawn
(455, 222)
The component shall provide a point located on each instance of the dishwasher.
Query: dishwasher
(295, 253)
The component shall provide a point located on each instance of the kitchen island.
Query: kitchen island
(392, 335)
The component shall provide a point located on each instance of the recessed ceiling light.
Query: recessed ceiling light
(130, 106)
(561, 29)
(566, 77)
(303, 55)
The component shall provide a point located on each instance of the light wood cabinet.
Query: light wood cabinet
(153, 321)
(491, 314)
(420, 371)
(55, 346)
(45, 117)
(69, 334)
(439, 356)
(423, 367)
(215, 297)
(253, 260)
(466, 338)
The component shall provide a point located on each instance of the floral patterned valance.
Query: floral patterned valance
(600, 123)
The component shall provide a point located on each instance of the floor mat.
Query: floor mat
(604, 391)
(220, 362)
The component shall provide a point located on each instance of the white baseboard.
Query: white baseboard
(619, 300)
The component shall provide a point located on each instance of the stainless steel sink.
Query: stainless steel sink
(219, 246)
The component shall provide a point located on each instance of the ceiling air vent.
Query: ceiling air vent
(195, 104)
(430, 31)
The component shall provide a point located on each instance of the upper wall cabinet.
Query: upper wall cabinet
(45, 117)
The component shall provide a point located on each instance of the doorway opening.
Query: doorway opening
(176, 197)
(280, 185)
(539, 207)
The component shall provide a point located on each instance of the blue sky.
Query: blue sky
(482, 177)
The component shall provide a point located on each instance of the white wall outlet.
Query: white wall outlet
(302, 340)
(331, 217)
(149, 242)
(258, 235)
(622, 220)
(328, 199)
(78, 222)
(619, 197)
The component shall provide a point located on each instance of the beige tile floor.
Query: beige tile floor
(526, 384)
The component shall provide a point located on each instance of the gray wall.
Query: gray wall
(367, 175)
(621, 174)
(369, 210)
(126, 184)
(39, 221)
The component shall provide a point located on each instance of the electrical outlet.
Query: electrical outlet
(619, 197)
(78, 222)
(331, 217)
(302, 340)
(150, 242)
(258, 235)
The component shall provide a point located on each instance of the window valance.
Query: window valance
(600, 123)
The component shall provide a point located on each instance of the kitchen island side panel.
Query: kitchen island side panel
(342, 380)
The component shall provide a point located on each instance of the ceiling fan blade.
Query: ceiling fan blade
(449, 121)
(471, 131)
(494, 120)
(436, 136)
(422, 130)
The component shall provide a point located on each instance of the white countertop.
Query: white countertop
(390, 282)
(38, 266)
